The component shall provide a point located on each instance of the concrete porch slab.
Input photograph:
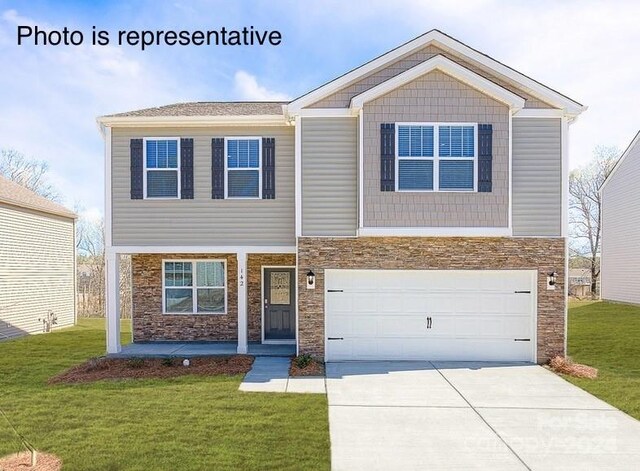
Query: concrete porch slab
(196, 349)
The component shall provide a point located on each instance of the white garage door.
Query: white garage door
(458, 315)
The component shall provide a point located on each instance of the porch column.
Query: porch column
(112, 300)
(242, 303)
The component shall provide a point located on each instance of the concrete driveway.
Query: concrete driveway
(443, 415)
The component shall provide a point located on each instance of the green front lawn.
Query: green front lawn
(607, 336)
(181, 423)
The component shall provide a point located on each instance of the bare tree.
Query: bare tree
(584, 208)
(91, 270)
(30, 173)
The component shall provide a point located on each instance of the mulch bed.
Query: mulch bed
(567, 367)
(22, 461)
(97, 369)
(314, 368)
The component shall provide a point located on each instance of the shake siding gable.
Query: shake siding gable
(436, 97)
(341, 98)
(202, 221)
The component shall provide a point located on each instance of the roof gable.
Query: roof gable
(629, 150)
(441, 40)
(449, 67)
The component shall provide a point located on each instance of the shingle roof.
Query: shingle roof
(210, 108)
(17, 195)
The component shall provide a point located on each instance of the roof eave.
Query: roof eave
(223, 120)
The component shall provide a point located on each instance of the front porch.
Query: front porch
(200, 349)
(205, 301)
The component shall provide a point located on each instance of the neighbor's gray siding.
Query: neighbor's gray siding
(537, 177)
(436, 97)
(329, 176)
(620, 275)
(203, 221)
(36, 270)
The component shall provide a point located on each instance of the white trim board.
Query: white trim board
(449, 67)
(434, 232)
(185, 249)
(438, 38)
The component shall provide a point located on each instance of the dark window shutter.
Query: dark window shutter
(485, 156)
(387, 157)
(268, 168)
(137, 170)
(186, 169)
(217, 168)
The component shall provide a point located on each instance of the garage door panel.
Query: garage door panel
(476, 315)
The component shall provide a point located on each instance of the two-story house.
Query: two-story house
(413, 208)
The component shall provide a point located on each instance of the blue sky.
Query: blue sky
(50, 96)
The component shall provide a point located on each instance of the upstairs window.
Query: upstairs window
(162, 168)
(436, 157)
(243, 167)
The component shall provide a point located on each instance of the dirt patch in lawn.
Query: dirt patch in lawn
(304, 366)
(97, 369)
(567, 367)
(22, 461)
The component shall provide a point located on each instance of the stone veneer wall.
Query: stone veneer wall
(433, 253)
(149, 324)
(255, 262)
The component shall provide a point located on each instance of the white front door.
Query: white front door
(462, 315)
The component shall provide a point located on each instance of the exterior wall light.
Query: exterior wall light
(311, 280)
(552, 278)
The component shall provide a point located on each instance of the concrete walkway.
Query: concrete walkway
(422, 415)
(271, 374)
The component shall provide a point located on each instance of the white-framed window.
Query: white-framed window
(243, 167)
(436, 156)
(161, 157)
(194, 286)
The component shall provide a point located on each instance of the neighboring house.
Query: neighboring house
(413, 208)
(579, 282)
(37, 262)
(620, 250)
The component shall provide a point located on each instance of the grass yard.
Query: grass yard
(188, 422)
(607, 336)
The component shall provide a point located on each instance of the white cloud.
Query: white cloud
(247, 88)
(52, 96)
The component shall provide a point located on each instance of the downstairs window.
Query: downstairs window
(194, 287)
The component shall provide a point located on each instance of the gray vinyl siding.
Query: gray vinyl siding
(436, 97)
(203, 221)
(329, 176)
(620, 275)
(537, 177)
(36, 270)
